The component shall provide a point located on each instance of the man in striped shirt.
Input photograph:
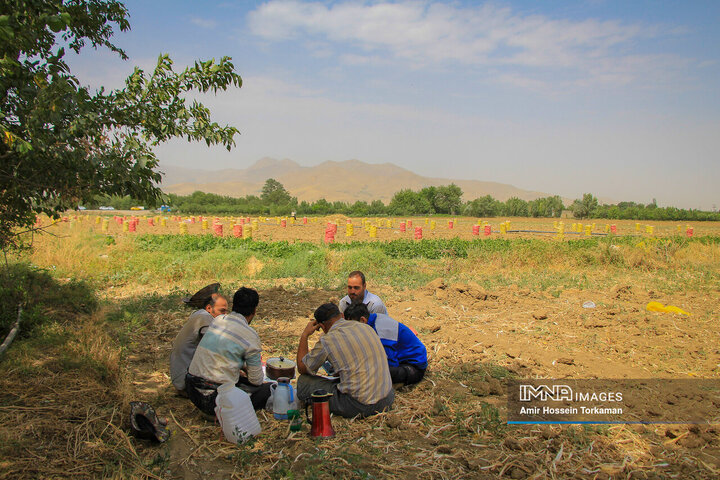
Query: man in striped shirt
(229, 352)
(364, 386)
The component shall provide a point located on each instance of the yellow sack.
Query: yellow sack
(659, 307)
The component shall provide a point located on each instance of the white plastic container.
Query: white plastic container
(235, 413)
(283, 398)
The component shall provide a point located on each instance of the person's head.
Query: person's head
(245, 302)
(326, 315)
(216, 305)
(356, 286)
(358, 312)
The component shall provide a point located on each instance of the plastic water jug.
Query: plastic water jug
(235, 412)
(283, 398)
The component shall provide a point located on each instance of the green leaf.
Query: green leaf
(56, 24)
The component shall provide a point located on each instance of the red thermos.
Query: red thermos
(321, 426)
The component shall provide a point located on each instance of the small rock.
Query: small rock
(539, 316)
(481, 389)
(475, 463)
(512, 444)
(496, 388)
(692, 441)
(435, 329)
(566, 360)
(438, 407)
(393, 421)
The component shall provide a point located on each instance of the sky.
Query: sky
(619, 99)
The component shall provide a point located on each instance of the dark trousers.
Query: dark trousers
(340, 403)
(202, 393)
(407, 374)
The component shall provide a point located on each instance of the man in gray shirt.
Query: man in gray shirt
(358, 293)
(187, 339)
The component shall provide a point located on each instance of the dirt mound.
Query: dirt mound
(467, 294)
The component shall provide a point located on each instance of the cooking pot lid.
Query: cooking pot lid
(280, 362)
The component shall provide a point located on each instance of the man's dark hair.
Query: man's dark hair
(245, 301)
(358, 273)
(325, 312)
(355, 311)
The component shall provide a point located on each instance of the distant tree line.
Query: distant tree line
(443, 200)
(588, 208)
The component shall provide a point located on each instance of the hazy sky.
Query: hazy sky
(617, 98)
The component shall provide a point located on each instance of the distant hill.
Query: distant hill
(345, 181)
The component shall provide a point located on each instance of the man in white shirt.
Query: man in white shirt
(229, 352)
(358, 293)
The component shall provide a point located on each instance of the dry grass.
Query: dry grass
(64, 406)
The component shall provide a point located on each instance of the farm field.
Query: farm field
(312, 229)
(488, 309)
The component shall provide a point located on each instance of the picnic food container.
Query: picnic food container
(277, 367)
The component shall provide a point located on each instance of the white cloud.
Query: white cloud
(425, 33)
(203, 22)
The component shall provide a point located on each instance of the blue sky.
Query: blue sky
(616, 98)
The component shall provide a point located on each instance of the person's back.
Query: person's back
(185, 345)
(228, 346)
(404, 345)
(359, 360)
(406, 354)
(229, 352)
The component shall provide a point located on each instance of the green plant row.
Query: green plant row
(426, 248)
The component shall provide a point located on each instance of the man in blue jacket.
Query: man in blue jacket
(406, 354)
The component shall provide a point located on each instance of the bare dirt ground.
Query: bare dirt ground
(445, 427)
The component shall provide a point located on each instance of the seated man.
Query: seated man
(229, 352)
(357, 293)
(364, 387)
(406, 354)
(186, 341)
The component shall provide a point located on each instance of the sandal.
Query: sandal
(145, 423)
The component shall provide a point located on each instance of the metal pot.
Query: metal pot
(277, 367)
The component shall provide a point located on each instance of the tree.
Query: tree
(448, 199)
(274, 193)
(485, 206)
(546, 207)
(555, 206)
(377, 207)
(407, 202)
(60, 143)
(321, 207)
(586, 207)
(516, 207)
(359, 208)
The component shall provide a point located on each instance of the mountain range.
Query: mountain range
(346, 181)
